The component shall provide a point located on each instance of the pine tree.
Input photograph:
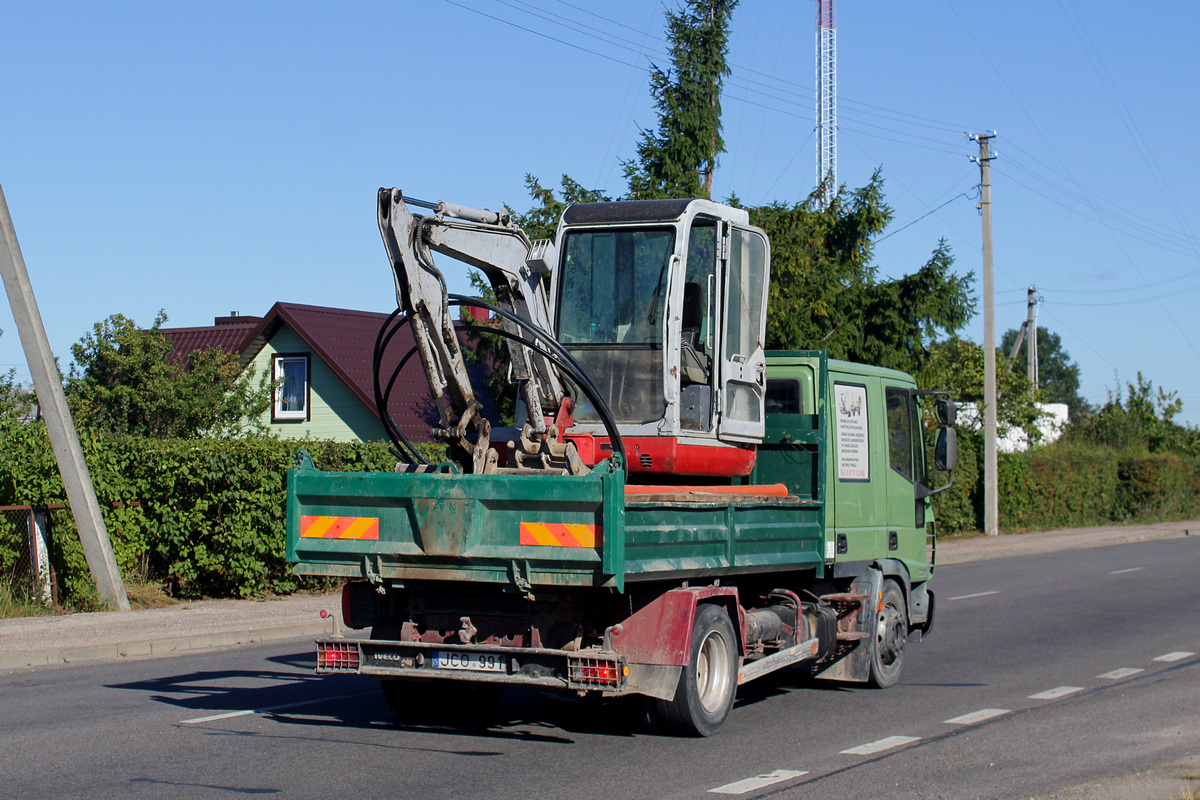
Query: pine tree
(678, 159)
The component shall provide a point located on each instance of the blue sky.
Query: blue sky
(213, 157)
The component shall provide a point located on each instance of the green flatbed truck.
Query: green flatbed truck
(614, 582)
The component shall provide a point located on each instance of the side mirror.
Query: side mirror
(945, 411)
(945, 452)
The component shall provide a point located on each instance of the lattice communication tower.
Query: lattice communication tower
(827, 96)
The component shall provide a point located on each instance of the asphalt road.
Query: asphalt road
(1042, 672)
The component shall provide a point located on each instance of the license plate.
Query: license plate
(480, 662)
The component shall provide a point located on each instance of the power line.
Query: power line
(776, 96)
(741, 77)
(926, 214)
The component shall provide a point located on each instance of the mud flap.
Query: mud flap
(851, 660)
(654, 680)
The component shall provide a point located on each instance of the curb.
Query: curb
(986, 549)
(159, 647)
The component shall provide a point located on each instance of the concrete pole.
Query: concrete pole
(991, 488)
(1031, 350)
(77, 481)
(1033, 347)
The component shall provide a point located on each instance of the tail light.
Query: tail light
(595, 673)
(338, 656)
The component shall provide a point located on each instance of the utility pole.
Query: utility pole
(1031, 353)
(77, 481)
(991, 488)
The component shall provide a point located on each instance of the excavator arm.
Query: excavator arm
(492, 243)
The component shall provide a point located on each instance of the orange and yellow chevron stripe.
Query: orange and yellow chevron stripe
(558, 534)
(339, 527)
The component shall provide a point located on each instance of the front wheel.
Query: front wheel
(891, 634)
(708, 685)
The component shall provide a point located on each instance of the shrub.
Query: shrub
(204, 516)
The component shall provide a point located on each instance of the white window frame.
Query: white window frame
(278, 414)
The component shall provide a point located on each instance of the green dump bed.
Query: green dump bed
(537, 530)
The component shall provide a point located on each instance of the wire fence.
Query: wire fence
(26, 564)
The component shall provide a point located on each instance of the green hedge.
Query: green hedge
(1065, 485)
(205, 517)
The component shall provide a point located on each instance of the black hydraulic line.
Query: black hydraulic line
(578, 378)
(574, 371)
(601, 406)
(553, 352)
(409, 453)
(387, 393)
(380, 408)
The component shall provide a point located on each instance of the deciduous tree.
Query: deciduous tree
(825, 291)
(122, 381)
(1140, 417)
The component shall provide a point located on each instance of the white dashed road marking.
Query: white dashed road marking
(881, 745)
(969, 596)
(231, 714)
(1123, 571)
(977, 716)
(1054, 694)
(1123, 672)
(752, 784)
(891, 742)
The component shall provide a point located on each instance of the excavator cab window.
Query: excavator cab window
(614, 287)
(612, 310)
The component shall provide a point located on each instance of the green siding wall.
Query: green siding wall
(335, 413)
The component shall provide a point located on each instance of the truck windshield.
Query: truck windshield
(612, 299)
(613, 287)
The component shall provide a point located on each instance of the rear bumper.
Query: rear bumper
(587, 670)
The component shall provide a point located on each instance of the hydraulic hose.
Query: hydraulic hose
(406, 450)
(564, 361)
(552, 351)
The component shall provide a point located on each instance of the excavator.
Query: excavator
(638, 330)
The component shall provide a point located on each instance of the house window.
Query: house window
(291, 387)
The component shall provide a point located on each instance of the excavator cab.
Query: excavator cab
(663, 302)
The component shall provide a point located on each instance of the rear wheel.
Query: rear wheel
(891, 634)
(708, 685)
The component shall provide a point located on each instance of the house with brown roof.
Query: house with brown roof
(320, 361)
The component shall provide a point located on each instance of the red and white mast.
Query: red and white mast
(827, 97)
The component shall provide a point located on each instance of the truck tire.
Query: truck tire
(891, 634)
(708, 685)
